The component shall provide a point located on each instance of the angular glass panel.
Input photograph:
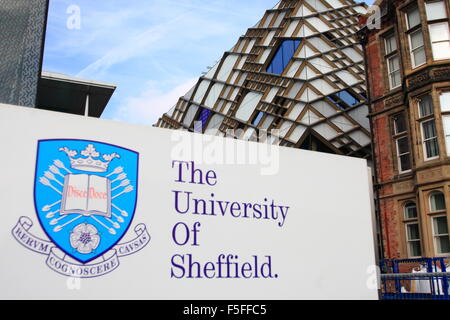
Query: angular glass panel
(257, 119)
(202, 119)
(278, 63)
(288, 52)
(282, 57)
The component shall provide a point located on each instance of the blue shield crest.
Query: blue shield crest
(85, 195)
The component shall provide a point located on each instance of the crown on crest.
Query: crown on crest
(93, 162)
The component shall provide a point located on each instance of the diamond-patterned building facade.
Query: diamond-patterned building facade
(299, 70)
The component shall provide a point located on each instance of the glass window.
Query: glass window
(440, 40)
(430, 139)
(437, 201)
(445, 101)
(399, 123)
(446, 123)
(425, 106)
(394, 72)
(202, 119)
(348, 97)
(403, 154)
(283, 55)
(391, 44)
(410, 210)
(413, 237)
(440, 232)
(413, 17)
(258, 118)
(417, 48)
(436, 10)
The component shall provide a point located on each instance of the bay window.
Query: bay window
(439, 29)
(440, 234)
(415, 37)
(428, 128)
(438, 210)
(445, 111)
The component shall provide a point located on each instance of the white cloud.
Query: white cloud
(129, 43)
(151, 104)
(137, 45)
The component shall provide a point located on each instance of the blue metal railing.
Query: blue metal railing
(406, 279)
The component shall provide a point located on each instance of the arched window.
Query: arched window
(437, 201)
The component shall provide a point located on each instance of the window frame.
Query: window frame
(389, 56)
(407, 221)
(423, 119)
(445, 114)
(409, 9)
(429, 202)
(397, 136)
(437, 236)
(412, 50)
(440, 41)
(411, 31)
(442, 20)
(392, 73)
(277, 51)
(424, 140)
(399, 156)
(410, 241)
(436, 1)
(405, 206)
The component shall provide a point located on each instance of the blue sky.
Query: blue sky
(153, 50)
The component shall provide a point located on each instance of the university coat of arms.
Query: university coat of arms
(85, 198)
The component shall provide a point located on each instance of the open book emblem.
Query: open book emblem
(85, 195)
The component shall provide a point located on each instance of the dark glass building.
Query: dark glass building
(22, 32)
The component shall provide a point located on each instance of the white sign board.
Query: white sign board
(95, 209)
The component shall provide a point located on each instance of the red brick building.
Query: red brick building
(408, 75)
